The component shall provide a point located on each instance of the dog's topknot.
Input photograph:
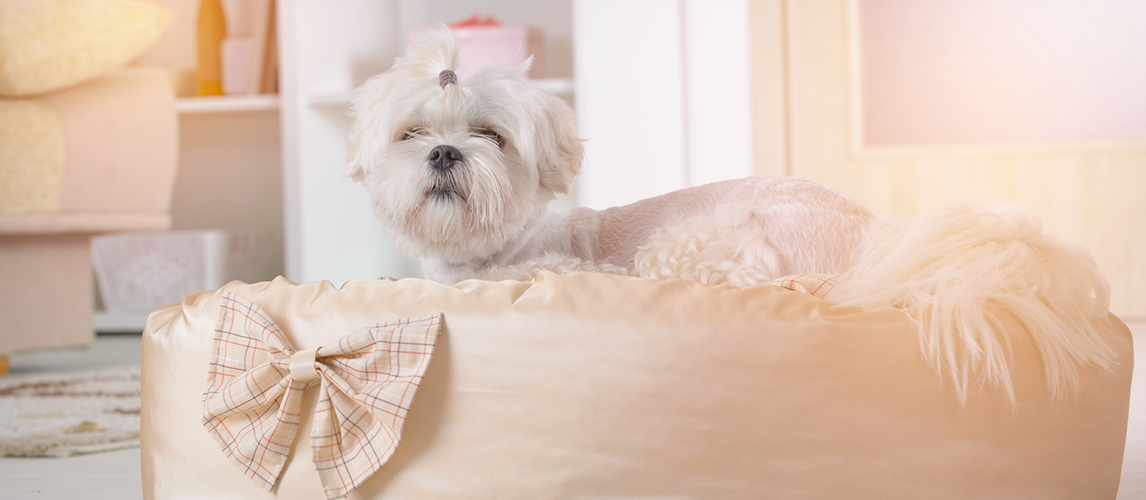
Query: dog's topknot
(431, 53)
(447, 77)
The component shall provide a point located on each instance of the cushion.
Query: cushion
(46, 45)
(100, 156)
(592, 385)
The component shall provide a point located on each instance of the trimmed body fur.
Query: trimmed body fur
(789, 226)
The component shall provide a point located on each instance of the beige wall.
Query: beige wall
(1087, 191)
(980, 71)
(769, 87)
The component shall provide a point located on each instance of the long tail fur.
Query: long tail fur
(947, 269)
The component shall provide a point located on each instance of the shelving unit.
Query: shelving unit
(227, 104)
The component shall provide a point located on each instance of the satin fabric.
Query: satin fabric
(367, 381)
(600, 386)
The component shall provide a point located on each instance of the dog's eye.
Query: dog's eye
(412, 133)
(491, 135)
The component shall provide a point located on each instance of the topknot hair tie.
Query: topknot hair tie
(447, 77)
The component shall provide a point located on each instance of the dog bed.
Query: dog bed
(592, 385)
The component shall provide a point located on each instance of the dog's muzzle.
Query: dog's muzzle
(444, 158)
(448, 180)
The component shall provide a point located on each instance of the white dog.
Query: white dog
(460, 174)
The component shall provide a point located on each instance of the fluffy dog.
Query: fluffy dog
(461, 172)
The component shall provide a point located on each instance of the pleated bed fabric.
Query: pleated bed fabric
(598, 386)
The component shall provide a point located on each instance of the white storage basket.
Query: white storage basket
(138, 272)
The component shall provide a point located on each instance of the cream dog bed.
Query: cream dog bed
(591, 385)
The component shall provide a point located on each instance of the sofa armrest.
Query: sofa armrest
(120, 148)
(121, 140)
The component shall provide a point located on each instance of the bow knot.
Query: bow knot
(253, 401)
(302, 366)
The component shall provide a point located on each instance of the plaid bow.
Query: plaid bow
(256, 382)
(818, 285)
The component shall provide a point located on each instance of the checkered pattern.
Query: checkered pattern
(818, 285)
(252, 405)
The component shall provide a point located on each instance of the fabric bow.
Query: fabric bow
(818, 285)
(256, 382)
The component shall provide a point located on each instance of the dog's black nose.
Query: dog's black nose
(443, 157)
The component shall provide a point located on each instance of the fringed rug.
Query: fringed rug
(68, 413)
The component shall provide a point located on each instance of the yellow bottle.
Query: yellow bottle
(212, 29)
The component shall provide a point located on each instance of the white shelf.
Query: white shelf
(559, 86)
(331, 99)
(227, 104)
(105, 322)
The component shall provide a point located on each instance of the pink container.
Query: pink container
(502, 46)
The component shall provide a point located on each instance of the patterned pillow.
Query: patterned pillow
(47, 45)
(31, 157)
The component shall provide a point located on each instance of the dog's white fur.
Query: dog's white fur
(487, 217)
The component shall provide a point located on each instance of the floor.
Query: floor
(101, 475)
(116, 475)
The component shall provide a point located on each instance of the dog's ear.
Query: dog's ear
(559, 158)
(364, 127)
(355, 165)
(355, 170)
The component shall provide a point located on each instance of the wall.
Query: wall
(978, 71)
(1086, 190)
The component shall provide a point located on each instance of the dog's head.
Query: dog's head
(455, 168)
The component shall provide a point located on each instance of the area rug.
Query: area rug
(61, 414)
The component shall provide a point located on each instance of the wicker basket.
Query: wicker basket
(138, 272)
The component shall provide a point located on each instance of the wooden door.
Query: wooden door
(1086, 187)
